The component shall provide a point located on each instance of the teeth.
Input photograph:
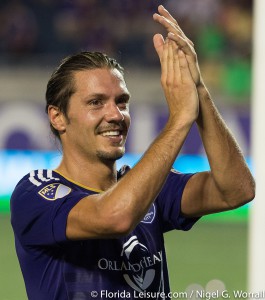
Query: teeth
(111, 133)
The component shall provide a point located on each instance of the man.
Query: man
(85, 231)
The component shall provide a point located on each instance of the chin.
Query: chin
(111, 155)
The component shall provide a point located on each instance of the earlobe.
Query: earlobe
(57, 118)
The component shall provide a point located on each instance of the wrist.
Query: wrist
(179, 123)
(203, 92)
(201, 87)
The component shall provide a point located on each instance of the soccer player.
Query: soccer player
(86, 231)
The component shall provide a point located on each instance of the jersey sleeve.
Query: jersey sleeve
(39, 210)
(169, 202)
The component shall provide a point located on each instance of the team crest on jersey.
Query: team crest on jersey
(54, 191)
(149, 217)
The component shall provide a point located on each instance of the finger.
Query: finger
(164, 62)
(184, 68)
(170, 63)
(164, 13)
(190, 55)
(176, 68)
(182, 43)
(159, 44)
(167, 24)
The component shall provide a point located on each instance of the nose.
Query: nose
(114, 113)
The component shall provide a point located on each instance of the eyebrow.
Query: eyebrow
(124, 95)
(104, 96)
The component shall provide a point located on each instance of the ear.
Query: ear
(57, 118)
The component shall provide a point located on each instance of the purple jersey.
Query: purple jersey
(55, 268)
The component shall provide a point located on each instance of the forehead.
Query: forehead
(99, 81)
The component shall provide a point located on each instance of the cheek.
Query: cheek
(93, 120)
(81, 124)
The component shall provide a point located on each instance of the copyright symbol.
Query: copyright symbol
(94, 294)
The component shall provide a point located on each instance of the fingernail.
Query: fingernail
(171, 34)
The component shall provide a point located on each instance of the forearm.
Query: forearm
(228, 168)
(229, 183)
(117, 211)
(139, 188)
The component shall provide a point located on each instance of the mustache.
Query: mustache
(112, 127)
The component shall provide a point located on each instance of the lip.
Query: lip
(117, 139)
(111, 132)
(122, 131)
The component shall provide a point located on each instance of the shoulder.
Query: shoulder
(41, 202)
(38, 178)
(41, 177)
(45, 183)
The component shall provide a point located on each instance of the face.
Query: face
(98, 115)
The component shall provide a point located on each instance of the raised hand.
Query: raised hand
(177, 82)
(176, 34)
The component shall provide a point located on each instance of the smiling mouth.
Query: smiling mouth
(111, 133)
(116, 137)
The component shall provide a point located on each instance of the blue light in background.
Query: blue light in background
(15, 164)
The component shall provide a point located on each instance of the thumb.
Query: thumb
(158, 44)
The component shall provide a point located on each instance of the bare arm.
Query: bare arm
(118, 210)
(229, 184)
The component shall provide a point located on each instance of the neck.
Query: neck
(95, 174)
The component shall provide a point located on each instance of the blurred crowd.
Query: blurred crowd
(32, 30)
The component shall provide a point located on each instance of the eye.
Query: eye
(95, 102)
(123, 102)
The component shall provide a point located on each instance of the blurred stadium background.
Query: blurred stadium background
(36, 34)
